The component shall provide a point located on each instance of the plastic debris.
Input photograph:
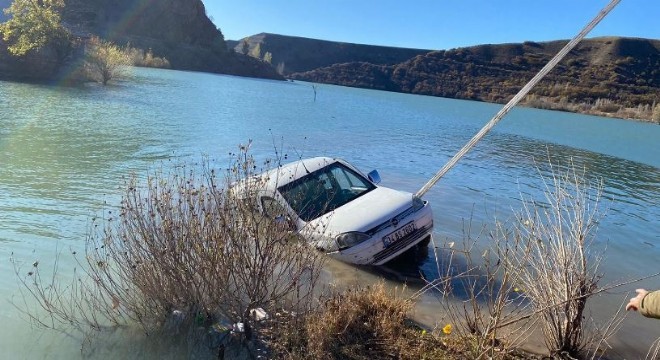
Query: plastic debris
(259, 314)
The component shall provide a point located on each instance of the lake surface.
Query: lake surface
(65, 151)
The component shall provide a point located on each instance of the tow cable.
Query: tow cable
(526, 89)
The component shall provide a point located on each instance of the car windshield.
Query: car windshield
(324, 190)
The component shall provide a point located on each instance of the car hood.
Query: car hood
(365, 212)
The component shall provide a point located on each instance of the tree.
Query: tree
(219, 44)
(35, 24)
(245, 47)
(104, 60)
(256, 51)
(268, 57)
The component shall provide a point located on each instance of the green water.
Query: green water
(65, 151)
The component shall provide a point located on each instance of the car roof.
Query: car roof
(287, 173)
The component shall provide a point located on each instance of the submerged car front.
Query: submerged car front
(343, 213)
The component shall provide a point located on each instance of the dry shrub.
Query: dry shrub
(479, 292)
(557, 269)
(139, 57)
(104, 60)
(183, 252)
(369, 323)
(535, 270)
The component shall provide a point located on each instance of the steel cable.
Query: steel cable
(526, 89)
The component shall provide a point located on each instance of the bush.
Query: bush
(554, 264)
(536, 270)
(139, 57)
(183, 252)
(480, 293)
(104, 60)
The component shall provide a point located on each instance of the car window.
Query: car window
(348, 180)
(341, 178)
(324, 190)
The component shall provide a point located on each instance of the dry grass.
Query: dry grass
(369, 323)
(599, 107)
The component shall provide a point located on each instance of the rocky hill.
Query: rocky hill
(298, 54)
(618, 76)
(178, 30)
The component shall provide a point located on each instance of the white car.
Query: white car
(344, 213)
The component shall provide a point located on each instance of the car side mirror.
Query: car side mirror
(374, 176)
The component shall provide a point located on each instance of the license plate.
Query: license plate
(399, 234)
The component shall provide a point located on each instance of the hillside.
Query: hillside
(178, 30)
(298, 54)
(616, 76)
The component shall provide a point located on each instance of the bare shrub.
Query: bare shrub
(139, 57)
(537, 269)
(104, 60)
(556, 268)
(479, 292)
(183, 251)
(606, 106)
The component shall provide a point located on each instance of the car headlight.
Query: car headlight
(349, 239)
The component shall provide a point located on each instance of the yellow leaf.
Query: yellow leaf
(447, 329)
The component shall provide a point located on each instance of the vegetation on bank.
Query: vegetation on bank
(35, 25)
(600, 107)
(36, 28)
(105, 61)
(188, 257)
(176, 30)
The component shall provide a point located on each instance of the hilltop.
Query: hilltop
(611, 76)
(299, 54)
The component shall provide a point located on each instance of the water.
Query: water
(64, 152)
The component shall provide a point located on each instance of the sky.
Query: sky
(432, 24)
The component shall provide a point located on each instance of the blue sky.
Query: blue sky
(428, 24)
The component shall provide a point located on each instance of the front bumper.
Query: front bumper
(374, 252)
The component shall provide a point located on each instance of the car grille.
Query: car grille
(401, 244)
(399, 218)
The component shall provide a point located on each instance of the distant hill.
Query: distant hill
(610, 75)
(299, 54)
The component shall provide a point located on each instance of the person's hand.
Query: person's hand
(637, 300)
